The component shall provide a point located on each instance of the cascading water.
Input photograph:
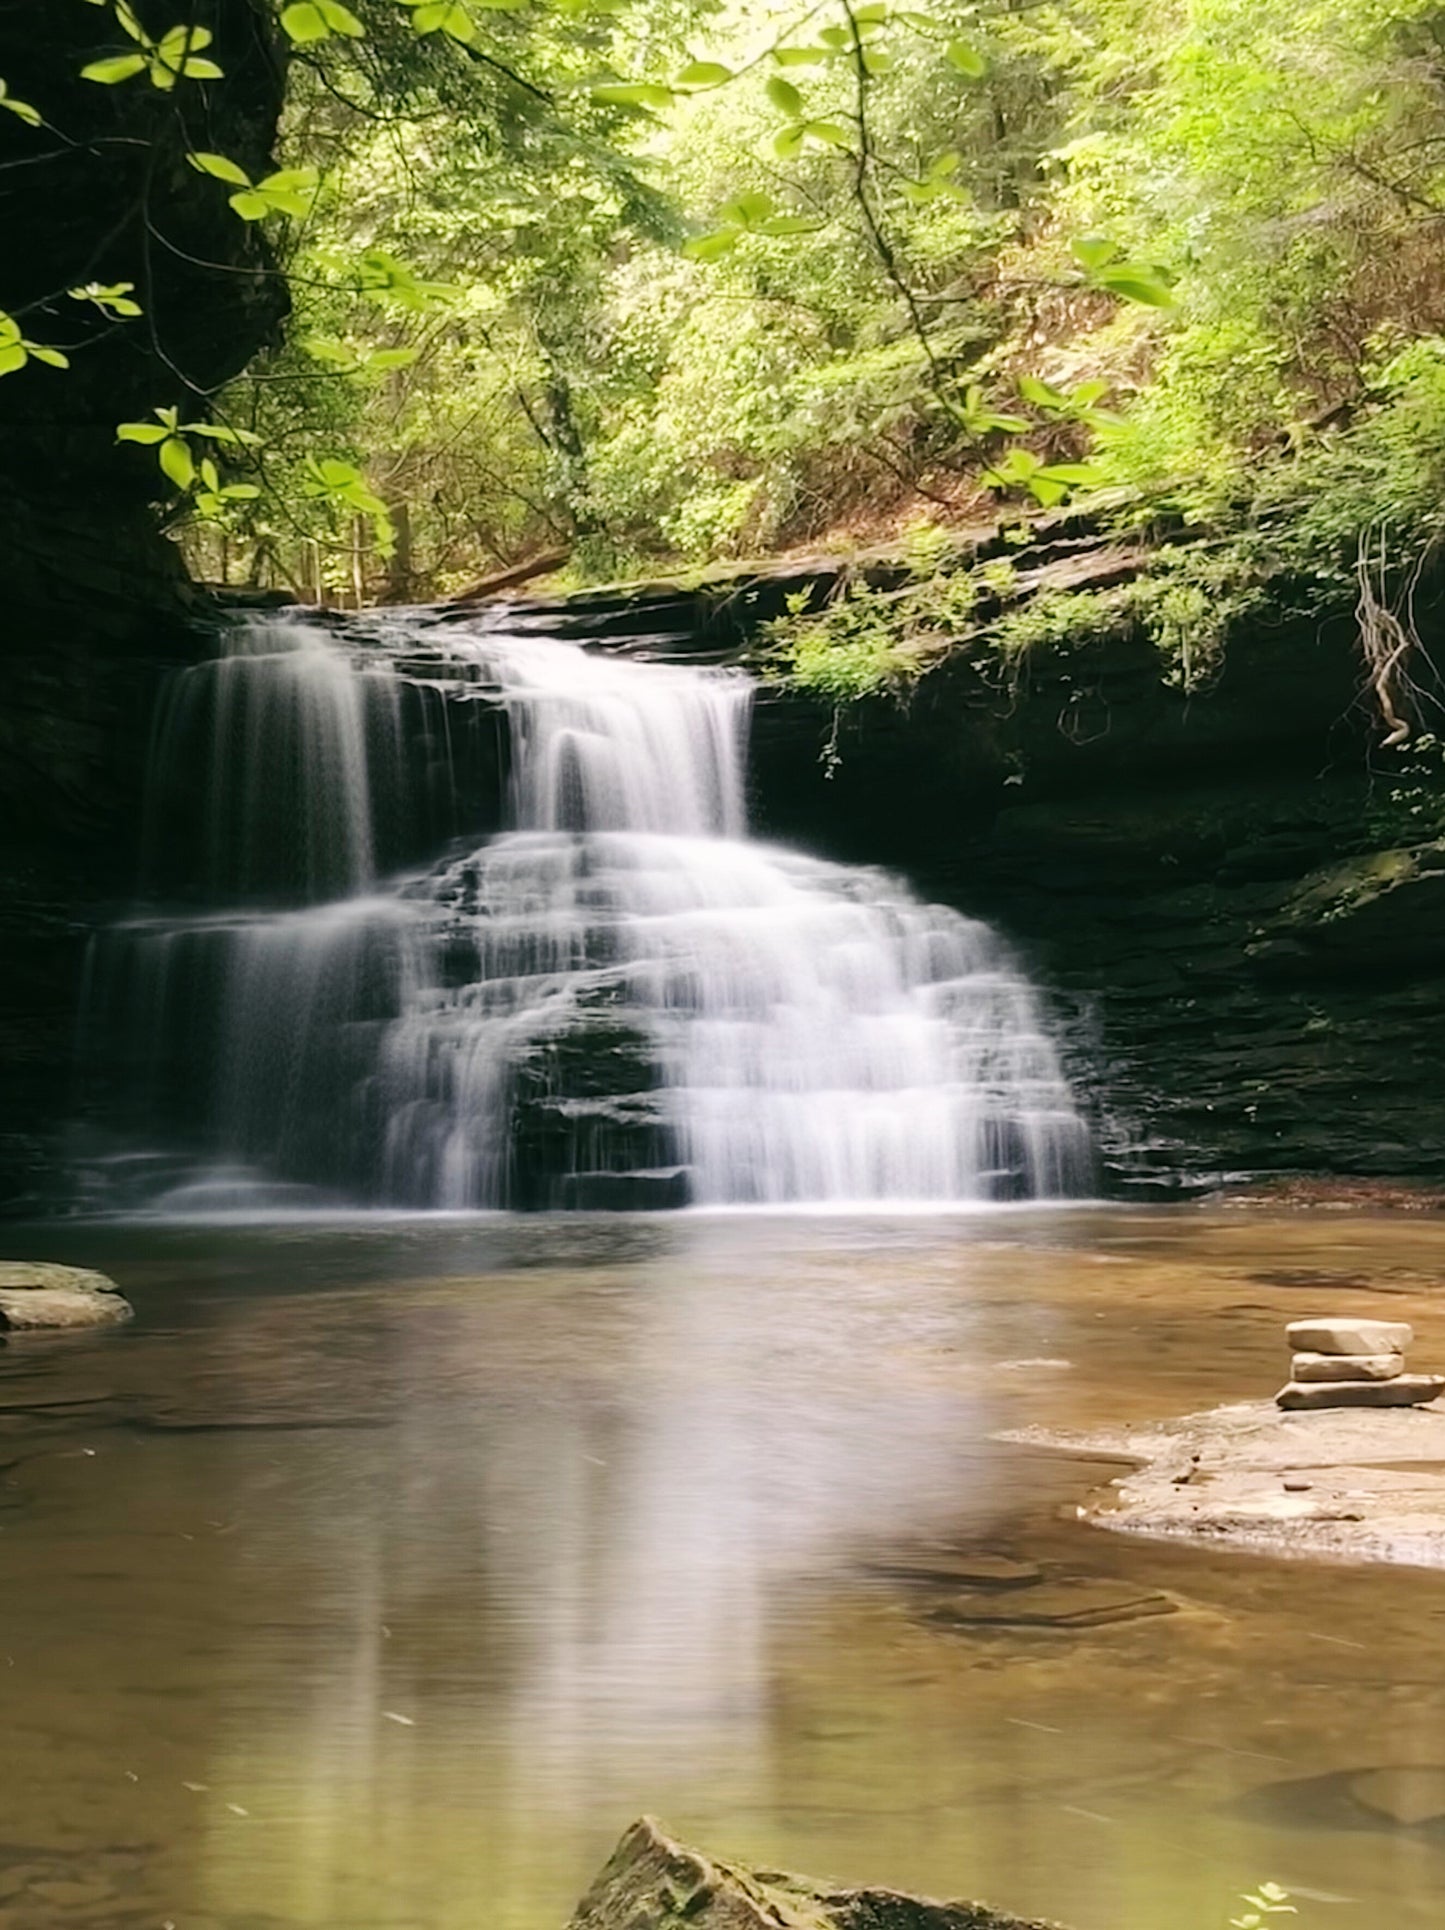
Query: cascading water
(617, 999)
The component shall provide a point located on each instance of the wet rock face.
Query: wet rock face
(653, 1883)
(1246, 957)
(97, 607)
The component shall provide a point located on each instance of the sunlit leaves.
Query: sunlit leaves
(289, 191)
(632, 93)
(22, 110)
(113, 299)
(455, 18)
(937, 182)
(16, 349)
(965, 60)
(347, 359)
(168, 436)
(1048, 483)
(783, 95)
(703, 73)
(312, 20)
(343, 486)
(1073, 405)
(177, 55)
(213, 498)
(384, 278)
(1131, 281)
(978, 416)
(754, 213)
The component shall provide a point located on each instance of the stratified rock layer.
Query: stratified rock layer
(653, 1883)
(1342, 1335)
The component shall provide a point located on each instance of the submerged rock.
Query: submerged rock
(37, 1295)
(653, 1883)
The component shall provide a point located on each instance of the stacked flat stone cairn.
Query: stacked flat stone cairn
(1354, 1363)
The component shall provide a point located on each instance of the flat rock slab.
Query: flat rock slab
(1349, 1484)
(653, 1883)
(38, 1296)
(1348, 1336)
(1406, 1390)
(1336, 1367)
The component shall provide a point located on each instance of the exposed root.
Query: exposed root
(1389, 640)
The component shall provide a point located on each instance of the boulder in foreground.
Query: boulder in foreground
(37, 1296)
(653, 1883)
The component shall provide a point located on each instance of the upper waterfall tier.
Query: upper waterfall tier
(618, 998)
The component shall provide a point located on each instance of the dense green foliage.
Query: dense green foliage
(654, 282)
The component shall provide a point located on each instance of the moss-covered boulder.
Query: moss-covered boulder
(652, 1883)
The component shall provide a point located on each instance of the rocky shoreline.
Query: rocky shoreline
(1342, 1484)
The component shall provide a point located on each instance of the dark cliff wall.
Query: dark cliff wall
(1246, 949)
(96, 604)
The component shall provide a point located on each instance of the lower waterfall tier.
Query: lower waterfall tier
(603, 1018)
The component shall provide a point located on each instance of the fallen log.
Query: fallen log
(508, 579)
(652, 1883)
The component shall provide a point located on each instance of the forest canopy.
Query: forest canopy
(653, 282)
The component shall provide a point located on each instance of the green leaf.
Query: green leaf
(21, 109)
(704, 73)
(800, 56)
(1039, 393)
(12, 357)
(209, 475)
(829, 133)
(221, 168)
(200, 70)
(250, 205)
(119, 67)
(967, 60)
(1081, 475)
(747, 210)
(146, 432)
(1093, 251)
(304, 23)
(783, 95)
(341, 20)
(945, 164)
(789, 224)
(789, 143)
(711, 247)
(1136, 285)
(177, 462)
(51, 355)
(241, 492)
(836, 39)
(322, 349)
(633, 93)
(391, 358)
(1045, 490)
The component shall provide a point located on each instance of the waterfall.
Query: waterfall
(615, 998)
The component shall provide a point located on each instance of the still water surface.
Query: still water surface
(384, 1571)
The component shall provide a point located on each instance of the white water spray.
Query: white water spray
(621, 1000)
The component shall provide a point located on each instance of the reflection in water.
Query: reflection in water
(393, 1570)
